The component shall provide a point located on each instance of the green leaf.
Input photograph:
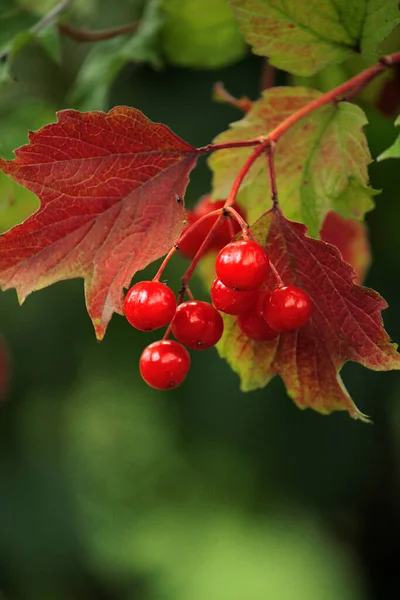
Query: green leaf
(201, 33)
(107, 58)
(305, 36)
(394, 150)
(321, 162)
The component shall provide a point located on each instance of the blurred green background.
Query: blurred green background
(110, 490)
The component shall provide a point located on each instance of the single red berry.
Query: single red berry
(192, 242)
(287, 308)
(149, 305)
(164, 364)
(232, 302)
(253, 324)
(197, 324)
(242, 265)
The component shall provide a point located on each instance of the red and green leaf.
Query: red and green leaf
(345, 325)
(304, 36)
(108, 185)
(321, 162)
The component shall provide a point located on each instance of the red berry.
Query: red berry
(287, 308)
(192, 242)
(149, 305)
(253, 324)
(232, 302)
(197, 324)
(242, 265)
(164, 364)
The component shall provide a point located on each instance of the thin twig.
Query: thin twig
(51, 16)
(221, 94)
(358, 83)
(84, 35)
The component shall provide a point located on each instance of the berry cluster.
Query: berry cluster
(242, 268)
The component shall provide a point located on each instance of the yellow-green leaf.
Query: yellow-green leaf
(321, 163)
(304, 36)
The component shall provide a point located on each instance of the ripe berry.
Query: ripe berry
(197, 324)
(232, 302)
(242, 265)
(253, 324)
(149, 305)
(192, 242)
(164, 364)
(287, 308)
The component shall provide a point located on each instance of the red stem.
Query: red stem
(267, 142)
(358, 82)
(243, 172)
(228, 145)
(201, 250)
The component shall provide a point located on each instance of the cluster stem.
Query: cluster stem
(267, 144)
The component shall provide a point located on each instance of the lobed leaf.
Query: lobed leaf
(321, 162)
(108, 185)
(345, 325)
(305, 36)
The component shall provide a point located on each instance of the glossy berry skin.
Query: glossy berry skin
(164, 364)
(242, 265)
(287, 308)
(232, 302)
(149, 305)
(253, 324)
(197, 324)
(192, 242)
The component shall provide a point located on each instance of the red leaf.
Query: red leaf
(345, 325)
(351, 238)
(108, 184)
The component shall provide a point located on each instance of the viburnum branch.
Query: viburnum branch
(356, 84)
(228, 145)
(85, 35)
